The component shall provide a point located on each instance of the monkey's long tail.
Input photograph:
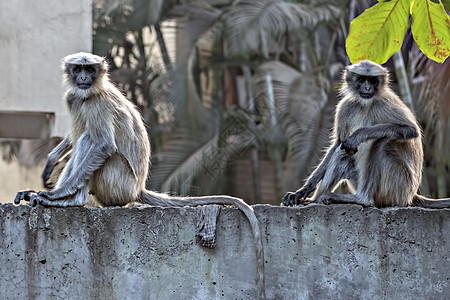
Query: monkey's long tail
(421, 201)
(163, 200)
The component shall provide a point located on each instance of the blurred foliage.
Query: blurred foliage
(434, 103)
(9, 150)
(238, 96)
(199, 119)
(223, 82)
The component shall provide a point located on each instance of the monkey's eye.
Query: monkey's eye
(90, 70)
(77, 70)
(373, 80)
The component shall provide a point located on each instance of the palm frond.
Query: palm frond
(9, 150)
(167, 161)
(41, 148)
(249, 19)
(209, 162)
(306, 142)
(305, 112)
(294, 92)
(186, 158)
(182, 177)
(202, 10)
(282, 77)
(435, 94)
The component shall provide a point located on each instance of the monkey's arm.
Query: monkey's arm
(53, 158)
(379, 131)
(293, 198)
(89, 157)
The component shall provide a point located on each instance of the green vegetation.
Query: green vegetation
(378, 32)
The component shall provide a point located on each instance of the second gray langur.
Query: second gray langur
(376, 147)
(111, 153)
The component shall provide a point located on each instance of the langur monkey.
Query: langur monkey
(376, 147)
(111, 152)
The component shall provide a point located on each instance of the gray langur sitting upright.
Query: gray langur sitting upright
(376, 147)
(111, 152)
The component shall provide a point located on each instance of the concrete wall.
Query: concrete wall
(34, 36)
(315, 252)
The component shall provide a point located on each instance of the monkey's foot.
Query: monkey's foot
(77, 201)
(325, 199)
(38, 198)
(58, 194)
(338, 199)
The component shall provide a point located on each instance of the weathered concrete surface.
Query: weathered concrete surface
(315, 252)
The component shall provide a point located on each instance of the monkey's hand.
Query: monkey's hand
(24, 195)
(350, 146)
(33, 198)
(291, 199)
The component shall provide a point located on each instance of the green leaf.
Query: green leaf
(378, 32)
(430, 26)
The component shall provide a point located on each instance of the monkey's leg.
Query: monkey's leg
(293, 198)
(87, 158)
(385, 178)
(64, 195)
(60, 193)
(62, 190)
(53, 157)
(345, 168)
(341, 167)
(336, 165)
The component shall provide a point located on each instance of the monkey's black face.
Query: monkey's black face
(84, 76)
(365, 86)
